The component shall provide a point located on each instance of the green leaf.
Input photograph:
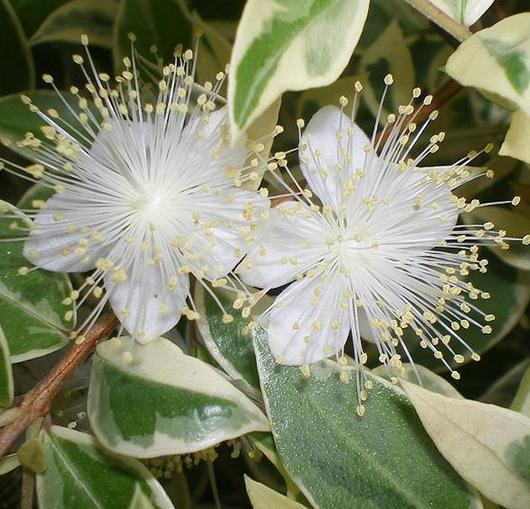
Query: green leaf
(17, 64)
(289, 45)
(382, 460)
(163, 23)
(16, 119)
(521, 402)
(516, 142)
(32, 314)
(71, 20)
(467, 12)
(8, 463)
(388, 54)
(510, 294)
(262, 497)
(32, 13)
(488, 446)
(227, 342)
(6, 374)
(80, 474)
(501, 61)
(152, 400)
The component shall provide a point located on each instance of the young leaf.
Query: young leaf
(516, 142)
(338, 459)
(466, 12)
(18, 72)
(153, 400)
(6, 374)
(263, 497)
(289, 45)
(32, 313)
(8, 463)
(80, 474)
(71, 20)
(488, 446)
(501, 61)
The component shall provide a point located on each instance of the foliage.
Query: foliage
(205, 416)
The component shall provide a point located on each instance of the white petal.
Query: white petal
(427, 214)
(145, 305)
(285, 244)
(322, 155)
(221, 238)
(304, 328)
(50, 245)
(205, 145)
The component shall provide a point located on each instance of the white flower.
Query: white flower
(146, 193)
(371, 248)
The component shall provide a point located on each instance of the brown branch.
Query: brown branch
(36, 403)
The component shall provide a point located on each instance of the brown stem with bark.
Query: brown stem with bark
(37, 402)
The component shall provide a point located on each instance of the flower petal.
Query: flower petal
(146, 303)
(331, 149)
(290, 240)
(309, 321)
(52, 247)
(223, 227)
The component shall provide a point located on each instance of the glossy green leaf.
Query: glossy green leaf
(510, 294)
(32, 13)
(338, 459)
(289, 45)
(162, 23)
(229, 343)
(67, 23)
(17, 64)
(488, 446)
(16, 119)
(152, 400)
(6, 374)
(263, 497)
(501, 51)
(466, 12)
(521, 402)
(32, 313)
(80, 474)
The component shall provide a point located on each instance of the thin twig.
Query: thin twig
(452, 27)
(37, 402)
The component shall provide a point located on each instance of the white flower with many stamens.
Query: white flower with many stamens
(146, 193)
(371, 248)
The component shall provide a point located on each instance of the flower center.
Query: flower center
(151, 204)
